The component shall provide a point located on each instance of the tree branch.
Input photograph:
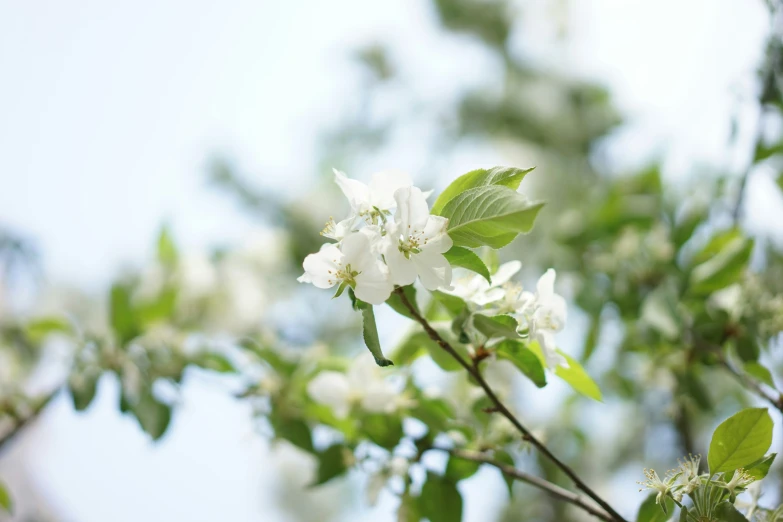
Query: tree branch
(23, 420)
(552, 489)
(474, 372)
(752, 385)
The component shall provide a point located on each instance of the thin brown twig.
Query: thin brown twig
(552, 489)
(474, 372)
(25, 420)
(751, 384)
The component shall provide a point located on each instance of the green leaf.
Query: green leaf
(6, 504)
(759, 372)
(440, 500)
(498, 326)
(437, 414)
(524, 359)
(459, 469)
(504, 176)
(723, 269)
(383, 430)
(331, 463)
(506, 458)
(38, 329)
(83, 386)
(491, 216)
(780, 181)
(464, 258)
(650, 511)
(167, 250)
(726, 512)
(295, 431)
(453, 304)
(395, 302)
(575, 375)
(439, 355)
(759, 469)
(740, 440)
(154, 416)
(370, 331)
(215, 362)
(122, 315)
(684, 514)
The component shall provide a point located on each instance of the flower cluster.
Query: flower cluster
(542, 314)
(388, 239)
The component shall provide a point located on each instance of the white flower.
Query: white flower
(415, 243)
(373, 201)
(353, 264)
(363, 384)
(663, 487)
(476, 290)
(546, 315)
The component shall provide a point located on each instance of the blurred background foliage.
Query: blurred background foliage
(678, 306)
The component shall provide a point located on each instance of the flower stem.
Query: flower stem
(474, 371)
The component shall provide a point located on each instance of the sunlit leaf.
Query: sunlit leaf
(504, 176)
(740, 440)
(464, 258)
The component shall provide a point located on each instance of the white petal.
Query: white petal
(505, 272)
(545, 288)
(438, 240)
(358, 193)
(402, 271)
(321, 267)
(339, 230)
(546, 340)
(358, 252)
(331, 388)
(373, 285)
(434, 270)
(379, 397)
(490, 296)
(412, 209)
(384, 185)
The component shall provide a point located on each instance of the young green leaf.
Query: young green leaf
(154, 416)
(6, 504)
(524, 359)
(331, 464)
(122, 314)
(464, 258)
(498, 326)
(83, 386)
(760, 372)
(575, 375)
(759, 469)
(295, 431)
(453, 304)
(504, 176)
(440, 499)
(492, 216)
(396, 304)
(459, 469)
(723, 269)
(740, 440)
(650, 511)
(370, 330)
(383, 430)
(167, 250)
(726, 512)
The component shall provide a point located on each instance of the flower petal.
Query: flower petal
(384, 185)
(358, 252)
(433, 269)
(321, 267)
(545, 288)
(437, 239)
(332, 389)
(505, 272)
(357, 193)
(373, 285)
(402, 270)
(412, 209)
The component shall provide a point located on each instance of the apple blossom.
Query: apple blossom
(416, 241)
(351, 263)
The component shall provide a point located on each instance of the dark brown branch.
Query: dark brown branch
(474, 372)
(552, 489)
